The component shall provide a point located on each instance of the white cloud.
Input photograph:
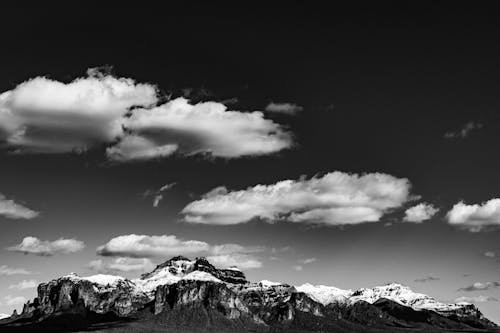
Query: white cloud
(420, 213)
(475, 217)
(158, 196)
(476, 299)
(47, 116)
(334, 199)
(297, 267)
(11, 209)
(24, 284)
(206, 127)
(6, 270)
(286, 108)
(464, 131)
(143, 246)
(428, 278)
(481, 286)
(240, 260)
(14, 300)
(307, 261)
(121, 264)
(490, 254)
(33, 245)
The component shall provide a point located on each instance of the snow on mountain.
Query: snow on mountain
(201, 276)
(402, 295)
(325, 294)
(267, 283)
(3, 316)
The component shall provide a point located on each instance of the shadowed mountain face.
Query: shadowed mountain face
(183, 295)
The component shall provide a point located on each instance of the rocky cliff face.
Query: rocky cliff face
(180, 288)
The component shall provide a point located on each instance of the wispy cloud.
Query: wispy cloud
(33, 245)
(121, 265)
(157, 194)
(24, 284)
(427, 279)
(464, 131)
(285, 108)
(7, 270)
(481, 286)
(476, 299)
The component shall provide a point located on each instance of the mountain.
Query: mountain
(183, 295)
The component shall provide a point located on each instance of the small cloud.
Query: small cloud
(481, 286)
(33, 245)
(13, 210)
(427, 279)
(420, 213)
(240, 260)
(476, 217)
(144, 246)
(158, 196)
(285, 108)
(24, 284)
(464, 131)
(297, 267)
(476, 299)
(121, 265)
(490, 254)
(306, 261)
(6, 270)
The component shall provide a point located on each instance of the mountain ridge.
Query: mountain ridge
(179, 287)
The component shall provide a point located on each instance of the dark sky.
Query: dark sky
(379, 86)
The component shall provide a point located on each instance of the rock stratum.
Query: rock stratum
(183, 295)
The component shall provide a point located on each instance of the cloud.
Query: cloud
(420, 213)
(143, 246)
(286, 108)
(24, 284)
(490, 254)
(240, 260)
(33, 245)
(208, 127)
(307, 261)
(43, 115)
(47, 116)
(476, 217)
(481, 286)
(6, 270)
(297, 267)
(121, 265)
(14, 300)
(464, 131)
(336, 198)
(427, 279)
(476, 299)
(13, 210)
(157, 194)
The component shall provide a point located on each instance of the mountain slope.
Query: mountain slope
(183, 295)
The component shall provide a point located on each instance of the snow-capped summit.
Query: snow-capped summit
(325, 294)
(3, 316)
(402, 295)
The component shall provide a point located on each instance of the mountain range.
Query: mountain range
(183, 295)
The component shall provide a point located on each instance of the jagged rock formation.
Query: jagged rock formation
(193, 295)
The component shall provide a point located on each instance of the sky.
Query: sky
(352, 146)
